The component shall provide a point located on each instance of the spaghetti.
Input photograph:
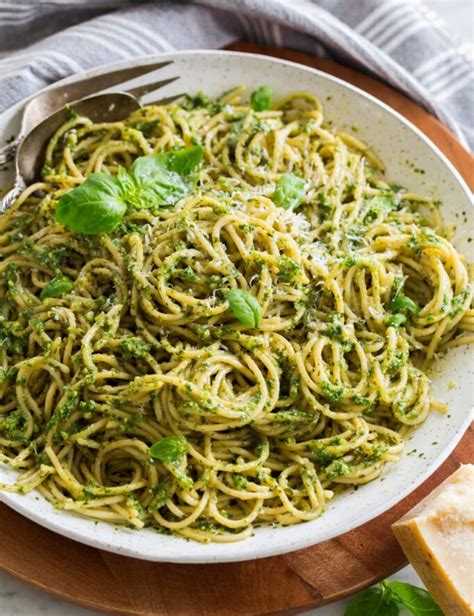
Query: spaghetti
(132, 393)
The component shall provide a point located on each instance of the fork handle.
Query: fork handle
(7, 153)
(12, 195)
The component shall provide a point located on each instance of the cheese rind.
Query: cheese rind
(437, 537)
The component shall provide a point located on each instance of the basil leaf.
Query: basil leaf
(154, 185)
(395, 320)
(245, 307)
(401, 303)
(57, 287)
(125, 182)
(290, 191)
(97, 206)
(185, 162)
(417, 600)
(261, 98)
(372, 602)
(163, 179)
(170, 449)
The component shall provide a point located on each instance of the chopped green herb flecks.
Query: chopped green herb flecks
(57, 287)
(134, 347)
(332, 392)
(288, 269)
(395, 320)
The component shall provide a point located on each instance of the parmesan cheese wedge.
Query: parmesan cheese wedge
(437, 537)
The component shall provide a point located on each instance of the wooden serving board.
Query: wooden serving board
(287, 584)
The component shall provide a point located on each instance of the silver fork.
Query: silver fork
(45, 103)
(44, 114)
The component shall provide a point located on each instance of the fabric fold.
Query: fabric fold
(401, 42)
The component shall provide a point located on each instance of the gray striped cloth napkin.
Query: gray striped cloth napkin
(399, 41)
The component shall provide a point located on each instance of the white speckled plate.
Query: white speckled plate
(404, 149)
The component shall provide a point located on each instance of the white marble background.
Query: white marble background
(18, 599)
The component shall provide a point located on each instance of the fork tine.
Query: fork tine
(90, 85)
(50, 101)
(150, 87)
(125, 74)
(167, 100)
